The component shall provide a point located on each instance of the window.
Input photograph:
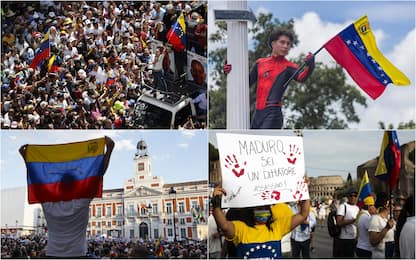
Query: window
(108, 211)
(143, 211)
(155, 232)
(119, 210)
(98, 212)
(170, 232)
(181, 207)
(169, 222)
(182, 221)
(99, 224)
(169, 208)
(109, 224)
(119, 223)
(131, 233)
(183, 232)
(194, 204)
(155, 209)
(140, 166)
(131, 210)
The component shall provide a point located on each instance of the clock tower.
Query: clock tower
(142, 161)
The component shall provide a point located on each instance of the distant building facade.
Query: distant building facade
(145, 208)
(323, 187)
(406, 184)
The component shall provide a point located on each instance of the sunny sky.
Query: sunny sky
(393, 24)
(178, 156)
(335, 152)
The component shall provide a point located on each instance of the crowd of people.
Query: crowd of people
(34, 246)
(102, 55)
(369, 232)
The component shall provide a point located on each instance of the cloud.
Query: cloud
(188, 133)
(183, 145)
(125, 145)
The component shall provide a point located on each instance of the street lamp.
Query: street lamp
(149, 212)
(172, 195)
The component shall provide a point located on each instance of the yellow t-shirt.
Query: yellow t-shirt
(259, 241)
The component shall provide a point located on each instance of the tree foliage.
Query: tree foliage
(323, 101)
(402, 125)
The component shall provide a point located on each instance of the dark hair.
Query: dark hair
(279, 32)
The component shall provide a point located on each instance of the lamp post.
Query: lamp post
(149, 212)
(172, 195)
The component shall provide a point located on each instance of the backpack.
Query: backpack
(333, 229)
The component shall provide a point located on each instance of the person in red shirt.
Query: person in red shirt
(272, 75)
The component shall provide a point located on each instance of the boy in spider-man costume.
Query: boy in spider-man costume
(272, 75)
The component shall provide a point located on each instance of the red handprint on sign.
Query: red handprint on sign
(267, 195)
(301, 187)
(294, 151)
(232, 163)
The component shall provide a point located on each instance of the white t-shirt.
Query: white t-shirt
(350, 212)
(214, 243)
(407, 239)
(67, 226)
(377, 223)
(363, 240)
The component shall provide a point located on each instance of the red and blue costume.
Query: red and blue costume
(271, 74)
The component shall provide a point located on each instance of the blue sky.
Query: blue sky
(335, 152)
(178, 156)
(393, 24)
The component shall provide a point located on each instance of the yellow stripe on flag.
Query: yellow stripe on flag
(51, 61)
(65, 152)
(381, 165)
(362, 26)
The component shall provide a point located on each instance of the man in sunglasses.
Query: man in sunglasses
(344, 246)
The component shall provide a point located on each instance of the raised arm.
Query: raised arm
(110, 145)
(300, 217)
(226, 226)
(306, 72)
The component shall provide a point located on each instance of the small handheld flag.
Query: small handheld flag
(365, 189)
(177, 34)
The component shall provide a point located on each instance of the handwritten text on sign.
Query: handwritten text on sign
(261, 170)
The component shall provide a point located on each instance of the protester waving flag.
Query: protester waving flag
(355, 49)
(53, 65)
(177, 34)
(388, 167)
(65, 172)
(42, 53)
(364, 191)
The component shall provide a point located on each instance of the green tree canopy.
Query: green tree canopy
(323, 101)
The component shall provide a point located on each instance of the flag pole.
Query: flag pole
(300, 68)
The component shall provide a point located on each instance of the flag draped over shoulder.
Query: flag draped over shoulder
(355, 49)
(177, 34)
(65, 171)
(389, 161)
(365, 189)
(42, 53)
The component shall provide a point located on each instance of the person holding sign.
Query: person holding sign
(260, 234)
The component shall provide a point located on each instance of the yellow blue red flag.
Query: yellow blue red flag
(389, 160)
(65, 172)
(355, 49)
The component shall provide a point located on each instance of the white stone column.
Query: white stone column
(238, 103)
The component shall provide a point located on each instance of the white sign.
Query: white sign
(261, 170)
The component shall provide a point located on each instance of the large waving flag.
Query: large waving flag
(355, 49)
(65, 172)
(388, 167)
(42, 53)
(177, 34)
(365, 189)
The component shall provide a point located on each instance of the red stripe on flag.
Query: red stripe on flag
(39, 57)
(64, 191)
(344, 57)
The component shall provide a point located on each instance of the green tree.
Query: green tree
(402, 125)
(323, 101)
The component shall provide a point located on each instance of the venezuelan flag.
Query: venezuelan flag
(389, 161)
(53, 64)
(176, 34)
(65, 171)
(42, 53)
(365, 189)
(355, 49)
